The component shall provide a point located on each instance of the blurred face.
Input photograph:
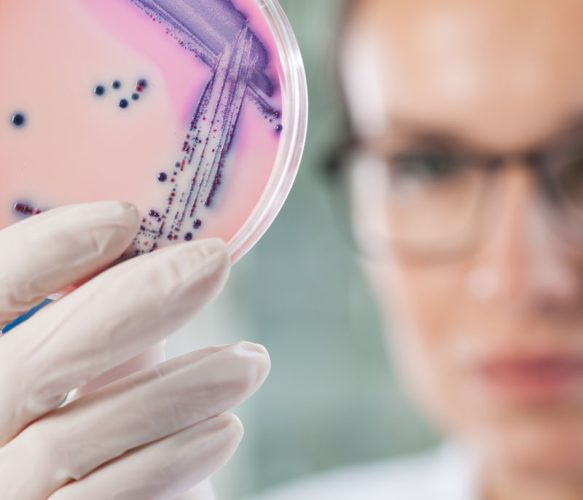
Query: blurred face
(490, 340)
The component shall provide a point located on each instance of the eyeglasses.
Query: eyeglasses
(431, 202)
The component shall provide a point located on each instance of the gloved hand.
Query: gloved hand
(153, 434)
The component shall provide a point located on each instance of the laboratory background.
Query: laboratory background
(332, 398)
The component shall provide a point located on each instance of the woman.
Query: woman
(465, 177)
(465, 173)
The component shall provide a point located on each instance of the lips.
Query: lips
(533, 379)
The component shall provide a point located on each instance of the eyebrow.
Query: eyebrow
(429, 134)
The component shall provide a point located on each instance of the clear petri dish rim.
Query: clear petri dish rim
(293, 137)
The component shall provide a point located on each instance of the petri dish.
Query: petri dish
(193, 110)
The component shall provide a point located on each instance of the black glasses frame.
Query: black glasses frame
(540, 161)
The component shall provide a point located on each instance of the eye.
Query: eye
(18, 119)
(429, 166)
(570, 179)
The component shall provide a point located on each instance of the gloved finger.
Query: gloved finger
(146, 360)
(102, 324)
(46, 253)
(164, 469)
(73, 441)
(151, 357)
(202, 491)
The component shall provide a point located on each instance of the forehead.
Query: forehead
(498, 69)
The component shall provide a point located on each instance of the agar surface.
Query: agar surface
(219, 35)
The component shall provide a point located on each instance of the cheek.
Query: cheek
(426, 309)
(428, 303)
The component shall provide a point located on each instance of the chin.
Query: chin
(546, 445)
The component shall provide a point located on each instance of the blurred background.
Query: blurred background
(332, 398)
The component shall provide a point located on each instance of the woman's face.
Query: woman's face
(491, 342)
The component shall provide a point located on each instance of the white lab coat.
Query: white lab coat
(444, 473)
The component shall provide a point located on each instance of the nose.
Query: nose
(520, 261)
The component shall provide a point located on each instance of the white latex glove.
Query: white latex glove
(153, 434)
